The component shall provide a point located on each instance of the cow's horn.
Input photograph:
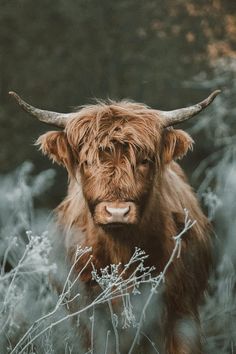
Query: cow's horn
(179, 115)
(54, 118)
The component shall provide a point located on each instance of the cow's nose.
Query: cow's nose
(117, 214)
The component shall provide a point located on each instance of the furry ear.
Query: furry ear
(176, 144)
(55, 145)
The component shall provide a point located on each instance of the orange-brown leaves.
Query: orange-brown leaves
(176, 143)
(54, 144)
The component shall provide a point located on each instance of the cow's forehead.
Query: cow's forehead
(123, 122)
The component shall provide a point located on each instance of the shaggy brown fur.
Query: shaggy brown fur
(118, 152)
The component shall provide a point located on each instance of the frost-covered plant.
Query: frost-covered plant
(37, 319)
(113, 286)
(218, 125)
(24, 255)
(14, 284)
(217, 189)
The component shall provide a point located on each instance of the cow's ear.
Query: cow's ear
(176, 143)
(55, 145)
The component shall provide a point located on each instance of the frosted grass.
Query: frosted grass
(43, 306)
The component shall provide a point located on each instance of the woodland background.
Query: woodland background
(61, 54)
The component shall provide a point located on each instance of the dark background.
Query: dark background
(58, 54)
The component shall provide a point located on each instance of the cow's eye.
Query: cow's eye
(145, 162)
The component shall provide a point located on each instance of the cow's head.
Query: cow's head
(115, 150)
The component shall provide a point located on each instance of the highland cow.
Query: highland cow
(126, 190)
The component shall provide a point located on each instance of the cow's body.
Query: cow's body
(126, 191)
(164, 218)
(187, 277)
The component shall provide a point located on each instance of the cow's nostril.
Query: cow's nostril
(107, 210)
(127, 212)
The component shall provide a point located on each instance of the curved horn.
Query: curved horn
(53, 118)
(179, 115)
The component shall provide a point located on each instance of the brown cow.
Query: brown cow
(126, 190)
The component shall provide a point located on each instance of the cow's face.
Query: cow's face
(117, 183)
(118, 155)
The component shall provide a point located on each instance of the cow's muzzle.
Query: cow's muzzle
(115, 213)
